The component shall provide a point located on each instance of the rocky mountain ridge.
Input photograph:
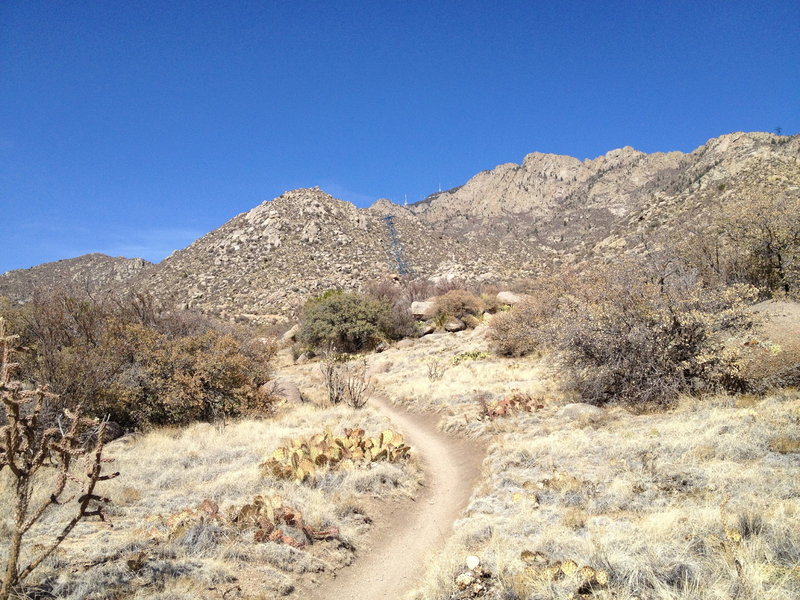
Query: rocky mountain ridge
(89, 273)
(503, 224)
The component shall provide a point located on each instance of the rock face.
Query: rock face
(422, 310)
(511, 222)
(90, 272)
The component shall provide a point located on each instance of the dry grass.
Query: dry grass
(170, 470)
(403, 374)
(692, 503)
(701, 503)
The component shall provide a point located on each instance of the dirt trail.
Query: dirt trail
(406, 534)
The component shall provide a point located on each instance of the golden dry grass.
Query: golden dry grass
(701, 502)
(169, 470)
(694, 503)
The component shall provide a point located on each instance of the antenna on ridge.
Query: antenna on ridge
(405, 199)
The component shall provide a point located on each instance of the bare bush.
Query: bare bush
(346, 380)
(627, 334)
(754, 240)
(458, 304)
(28, 448)
(436, 369)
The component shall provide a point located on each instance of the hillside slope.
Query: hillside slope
(90, 272)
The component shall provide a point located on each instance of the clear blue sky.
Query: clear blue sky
(133, 128)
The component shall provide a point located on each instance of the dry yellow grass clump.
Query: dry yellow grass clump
(168, 542)
(701, 502)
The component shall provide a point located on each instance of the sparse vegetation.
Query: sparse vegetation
(753, 240)
(345, 379)
(458, 304)
(622, 334)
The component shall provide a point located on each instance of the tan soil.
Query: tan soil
(405, 534)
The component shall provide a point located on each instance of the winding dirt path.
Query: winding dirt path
(407, 533)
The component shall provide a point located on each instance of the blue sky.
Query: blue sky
(132, 128)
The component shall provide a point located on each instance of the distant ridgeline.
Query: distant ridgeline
(503, 224)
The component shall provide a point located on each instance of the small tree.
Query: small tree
(28, 447)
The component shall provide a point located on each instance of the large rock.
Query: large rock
(291, 335)
(284, 389)
(422, 310)
(425, 329)
(453, 325)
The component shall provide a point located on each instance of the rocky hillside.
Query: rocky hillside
(501, 225)
(577, 209)
(90, 272)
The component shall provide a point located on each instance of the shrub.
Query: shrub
(624, 334)
(753, 240)
(143, 366)
(394, 294)
(345, 322)
(346, 380)
(457, 304)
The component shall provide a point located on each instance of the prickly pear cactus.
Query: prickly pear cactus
(302, 459)
(541, 571)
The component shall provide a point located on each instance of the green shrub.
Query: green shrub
(345, 322)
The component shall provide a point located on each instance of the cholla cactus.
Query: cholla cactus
(27, 448)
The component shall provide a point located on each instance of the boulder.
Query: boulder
(509, 298)
(426, 329)
(453, 325)
(283, 389)
(291, 335)
(422, 310)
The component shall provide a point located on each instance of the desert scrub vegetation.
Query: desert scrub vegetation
(304, 459)
(458, 304)
(345, 379)
(130, 361)
(194, 515)
(36, 468)
(346, 322)
(629, 334)
(699, 503)
(753, 240)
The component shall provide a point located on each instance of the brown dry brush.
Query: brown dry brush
(29, 447)
(346, 379)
